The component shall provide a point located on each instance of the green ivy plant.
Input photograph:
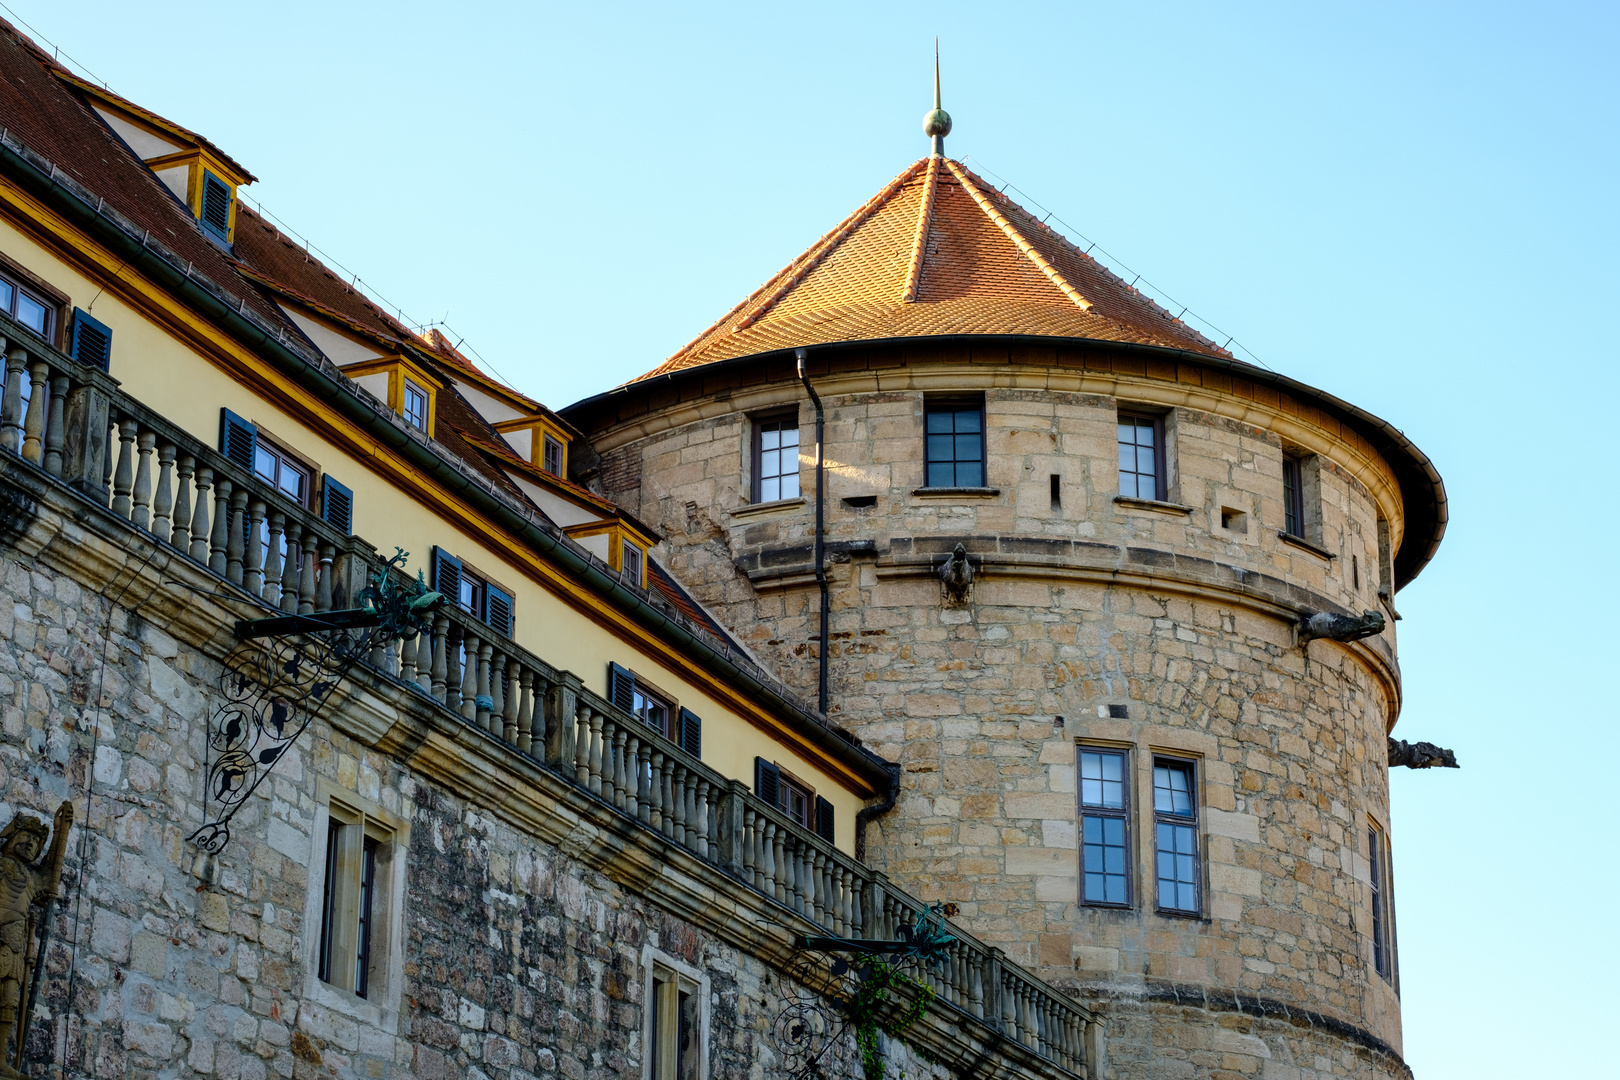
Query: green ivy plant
(866, 1012)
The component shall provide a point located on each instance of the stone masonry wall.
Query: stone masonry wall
(1082, 604)
(522, 958)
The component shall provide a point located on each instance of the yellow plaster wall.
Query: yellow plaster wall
(188, 389)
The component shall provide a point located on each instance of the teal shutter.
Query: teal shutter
(767, 781)
(92, 341)
(621, 687)
(337, 505)
(447, 575)
(237, 439)
(498, 610)
(689, 732)
(824, 819)
(216, 206)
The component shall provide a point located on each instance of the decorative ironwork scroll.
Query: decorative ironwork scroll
(823, 996)
(277, 681)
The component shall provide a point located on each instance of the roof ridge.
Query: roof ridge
(1006, 226)
(925, 221)
(826, 246)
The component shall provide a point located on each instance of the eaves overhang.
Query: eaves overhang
(213, 302)
(1423, 493)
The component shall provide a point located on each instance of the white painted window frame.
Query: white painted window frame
(655, 965)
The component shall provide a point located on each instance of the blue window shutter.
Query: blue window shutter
(824, 819)
(237, 439)
(216, 206)
(337, 505)
(447, 575)
(92, 341)
(621, 687)
(767, 779)
(689, 732)
(498, 610)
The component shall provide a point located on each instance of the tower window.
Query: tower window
(1141, 457)
(955, 445)
(415, 406)
(776, 459)
(354, 907)
(1378, 867)
(1175, 824)
(1293, 498)
(1105, 861)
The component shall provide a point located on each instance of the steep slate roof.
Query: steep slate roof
(937, 251)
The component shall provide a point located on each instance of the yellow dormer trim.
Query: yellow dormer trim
(199, 162)
(619, 534)
(399, 369)
(540, 426)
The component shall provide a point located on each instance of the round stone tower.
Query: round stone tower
(1072, 551)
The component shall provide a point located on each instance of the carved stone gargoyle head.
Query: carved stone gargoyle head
(1335, 627)
(956, 577)
(1420, 755)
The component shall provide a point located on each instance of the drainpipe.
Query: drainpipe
(866, 813)
(821, 502)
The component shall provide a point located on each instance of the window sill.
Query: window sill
(1154, 505)
(956, 492)
(1305, 545)
(758, 509)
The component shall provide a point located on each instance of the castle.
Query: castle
(947, 609)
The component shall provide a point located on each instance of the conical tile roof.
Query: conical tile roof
(937, 252)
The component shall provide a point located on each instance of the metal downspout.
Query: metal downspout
(821, 543)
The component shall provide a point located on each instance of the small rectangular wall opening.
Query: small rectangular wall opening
(1234, 520)
(1057, 492)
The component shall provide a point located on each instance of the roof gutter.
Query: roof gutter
(341, 395)
(1424, 491)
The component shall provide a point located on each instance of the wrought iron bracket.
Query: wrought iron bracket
(285, 670)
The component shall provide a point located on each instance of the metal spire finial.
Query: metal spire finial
(937, 124)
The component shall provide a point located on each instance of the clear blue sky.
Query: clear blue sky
(1411, 206)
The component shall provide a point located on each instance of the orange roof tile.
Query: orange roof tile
(937, 251)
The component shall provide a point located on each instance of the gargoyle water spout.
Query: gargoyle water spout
(1336, 627)
(956, 577)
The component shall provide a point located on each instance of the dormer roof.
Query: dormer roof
(938, 251)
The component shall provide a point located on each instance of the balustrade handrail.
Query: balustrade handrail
(79, 427)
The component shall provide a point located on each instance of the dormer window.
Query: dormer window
(540, 440)
(415, 408)
(618, 543)
(552, 460)
(218, 202)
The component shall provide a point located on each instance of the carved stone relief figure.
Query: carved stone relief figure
(23, 884)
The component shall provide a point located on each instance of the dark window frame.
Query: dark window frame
(374, 847)
(788, 420)
(55, 302)
(1161, 457)
(1382, 910)
(286, 459)
(1192, 820)
(955, 405)
(1103, 812)
(1293, 496)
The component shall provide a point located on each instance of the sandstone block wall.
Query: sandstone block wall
(1082, 602)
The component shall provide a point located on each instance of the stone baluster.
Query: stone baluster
(681, 803)
(289, 566)
(976, 986)
(163, 497)
(325, 582)
(235, 537)
(33, 444)
(180, 534)
(504, 680)
(526, 739)
(11, 404)
(656, 792)
(219, 536)
(469, 677)
(199, 515)
(124, 475)
(703, 818)
(407, 659)
(254, 575)
(483, 702)
(612, 762)
(750, 852)
(772, 845)
(581, 723)
(141, 493)
(306, 572)
(56, 427)
(437, 664)
(635, 777)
